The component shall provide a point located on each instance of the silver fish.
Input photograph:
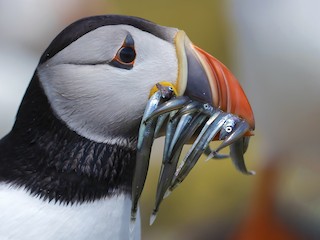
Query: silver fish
(145, 141)
(169, 166)
(240, 129)
(160, 123)
(210, 130)
(184, 119)
(172, 105)
(236, 154)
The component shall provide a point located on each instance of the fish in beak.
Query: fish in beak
(206, 103)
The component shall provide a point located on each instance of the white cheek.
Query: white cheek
(90, 103)
(102, 102)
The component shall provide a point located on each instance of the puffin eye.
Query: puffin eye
(126, 55)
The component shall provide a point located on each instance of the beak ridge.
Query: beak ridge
(208, 80)
(231, 97)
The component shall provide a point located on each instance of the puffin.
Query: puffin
(66, 166)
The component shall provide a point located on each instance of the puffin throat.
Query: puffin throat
(43, 155)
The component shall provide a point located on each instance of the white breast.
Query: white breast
(25, 217)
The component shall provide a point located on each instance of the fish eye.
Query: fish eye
(206, 106)
(228, 129)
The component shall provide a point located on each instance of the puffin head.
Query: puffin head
(97, 75)
(76, 135)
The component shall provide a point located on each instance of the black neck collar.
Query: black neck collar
(43, 155)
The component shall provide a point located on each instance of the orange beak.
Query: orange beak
(203, 78)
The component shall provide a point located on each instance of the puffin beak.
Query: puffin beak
(203, 78)
(207, 81)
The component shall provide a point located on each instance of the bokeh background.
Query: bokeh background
(273, 48)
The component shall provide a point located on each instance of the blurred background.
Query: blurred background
(273, 48)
